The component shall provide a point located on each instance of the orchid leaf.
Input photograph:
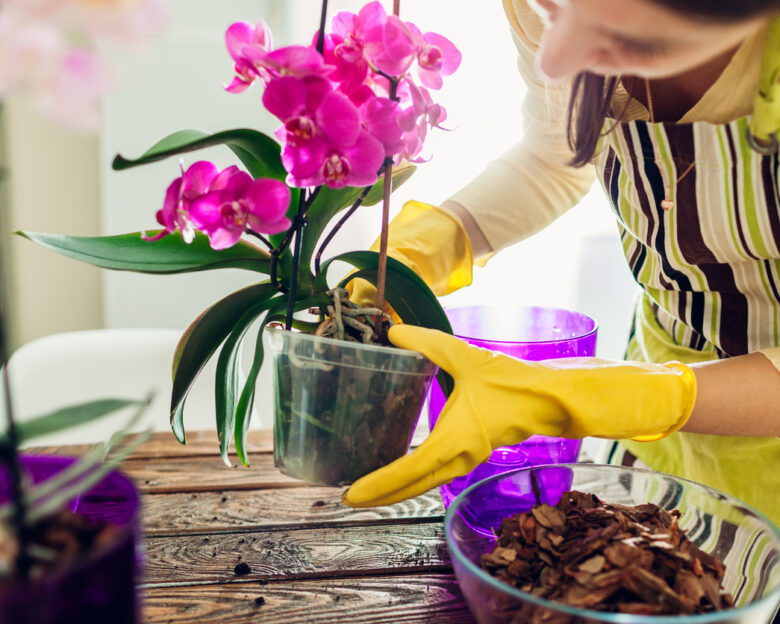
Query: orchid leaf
(406, 292)
(329, 202)
(202, 338)
(170, 254)
(68, 417)
(246, 399)
(227, 382)
(259, 153)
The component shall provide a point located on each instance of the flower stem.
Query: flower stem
(296, 259)
(260, 237)
(321, 35)
(396, 7)
(338, 226)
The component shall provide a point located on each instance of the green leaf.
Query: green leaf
(68, 417)
(244, 408)
(406, 292)
(202, 338)
(227, 390)
(330, 202)
(170, 254)
(259, 153)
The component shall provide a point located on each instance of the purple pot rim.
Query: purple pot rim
(129, 531)
(593, 331)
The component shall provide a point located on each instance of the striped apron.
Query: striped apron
(708, 262)
(709, 267)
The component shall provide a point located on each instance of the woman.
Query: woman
(663, 99)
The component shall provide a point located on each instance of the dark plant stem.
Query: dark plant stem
(260, 237)
(298, 225)
(387, 189)
(396, 7)
(358, 202)
(321, 35)
(9, 452)
(298, 222)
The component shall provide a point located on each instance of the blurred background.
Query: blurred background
(60, 181)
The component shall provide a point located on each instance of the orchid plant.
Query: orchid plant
(355, 107)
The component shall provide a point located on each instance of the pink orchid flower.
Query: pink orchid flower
(417, 118)
(192, 183)
(355, 38)
(246, 44)
(437, 56)
(316, 162)
(380, 118)
(238, 202)
(309, 107)
(295, 60)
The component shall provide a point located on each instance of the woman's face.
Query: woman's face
(631, 37)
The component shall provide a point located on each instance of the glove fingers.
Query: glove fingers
(444, 350)
(418, 472)
(384, 487)
(446, 473)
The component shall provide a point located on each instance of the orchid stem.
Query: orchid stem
(321, 35)
(260, 237)
(296, 259)
(396, 7)
(358, 202)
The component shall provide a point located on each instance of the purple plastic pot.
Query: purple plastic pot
(528, 333)
(102, 586)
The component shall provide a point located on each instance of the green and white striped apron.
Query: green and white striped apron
(709, 265)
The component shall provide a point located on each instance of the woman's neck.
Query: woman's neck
(673, 97)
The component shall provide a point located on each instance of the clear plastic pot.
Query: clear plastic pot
(342, 409)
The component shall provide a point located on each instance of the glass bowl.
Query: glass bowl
(747, 542)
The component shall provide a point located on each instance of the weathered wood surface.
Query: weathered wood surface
(312, 559)
(400, 599)
(178, 513)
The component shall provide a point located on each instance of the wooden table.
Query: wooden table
(312, 559)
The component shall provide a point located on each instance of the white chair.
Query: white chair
(73, 367)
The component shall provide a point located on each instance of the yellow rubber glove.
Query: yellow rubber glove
(499, 400)
(432, 243)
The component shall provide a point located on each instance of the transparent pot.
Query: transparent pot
(342, 409)
(746, 541)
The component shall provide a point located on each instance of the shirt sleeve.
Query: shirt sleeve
(530, 185)
(773, 355)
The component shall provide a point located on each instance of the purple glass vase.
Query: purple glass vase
(101, 587)
(528, 333)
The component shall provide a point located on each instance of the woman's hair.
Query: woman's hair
(591, 95)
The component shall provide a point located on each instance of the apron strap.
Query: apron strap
(765, 121)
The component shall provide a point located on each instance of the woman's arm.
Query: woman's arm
(738, 396)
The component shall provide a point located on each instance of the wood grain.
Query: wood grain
(401, 599)
(225, 509)
(199, 474)
(164, 444)
(296, 553)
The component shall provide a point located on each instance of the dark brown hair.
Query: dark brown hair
(591, 95)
